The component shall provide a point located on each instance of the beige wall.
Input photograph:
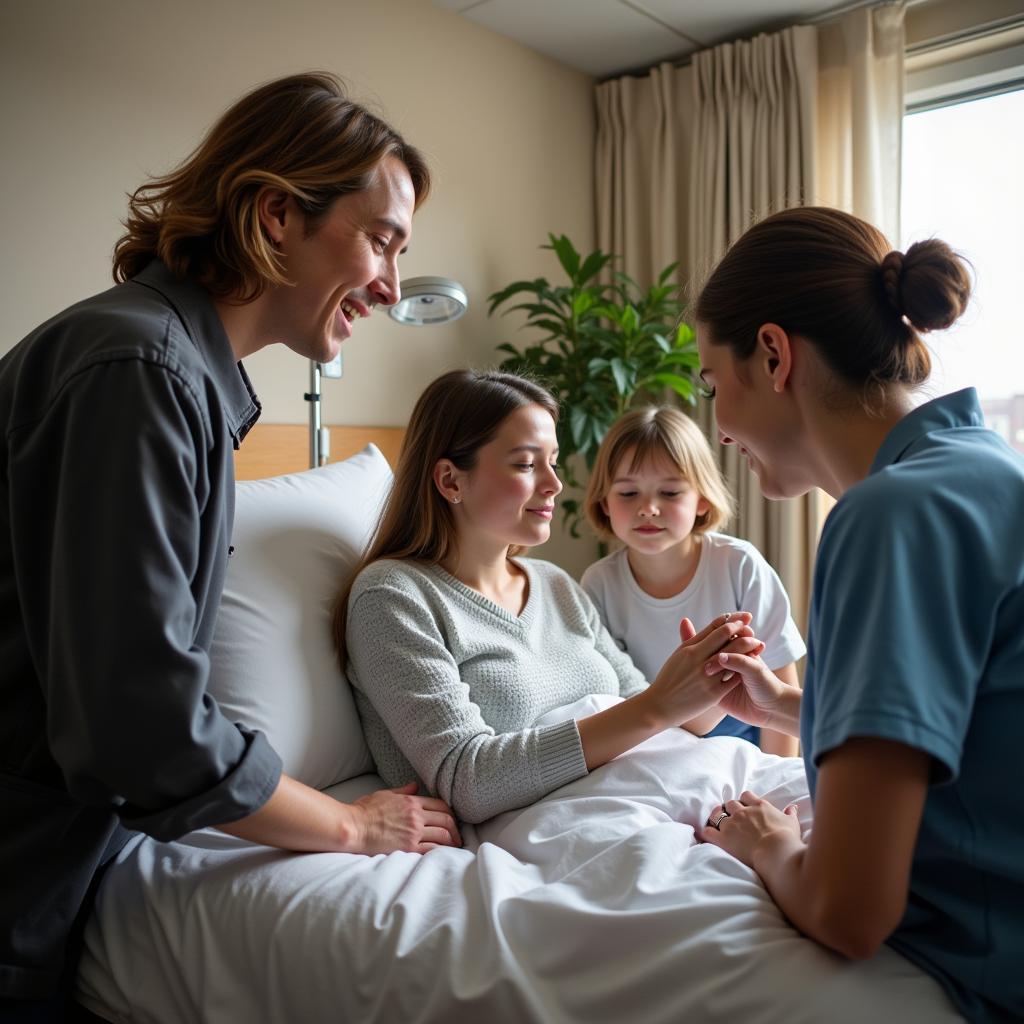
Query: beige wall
(96, 94)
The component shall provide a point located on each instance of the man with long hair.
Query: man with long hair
(119, 419)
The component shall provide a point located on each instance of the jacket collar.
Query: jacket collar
(193, 305)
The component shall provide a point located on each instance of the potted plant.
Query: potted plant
(605, 345)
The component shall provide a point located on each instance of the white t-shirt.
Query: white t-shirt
(731, 576)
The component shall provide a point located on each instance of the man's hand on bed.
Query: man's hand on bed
(305, 820)
(398, 819)
(742, 825)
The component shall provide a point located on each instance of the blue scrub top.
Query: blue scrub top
(916, 634)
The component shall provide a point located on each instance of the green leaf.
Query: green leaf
(578, 423)
(538, 286)
(592, 265)
(622, 375)
(667, 272)
(630, 320)
(567, 255)
(555, 327)
(679, 357)
(685, 334)
(535, 308)
(682, 386)
(583, 301)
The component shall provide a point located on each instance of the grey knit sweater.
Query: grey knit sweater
(448, 683)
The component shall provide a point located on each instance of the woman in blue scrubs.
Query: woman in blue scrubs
(910, 719)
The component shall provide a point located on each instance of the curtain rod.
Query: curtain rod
(817, 19)
(967, 35)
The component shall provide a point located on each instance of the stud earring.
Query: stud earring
(456, 500)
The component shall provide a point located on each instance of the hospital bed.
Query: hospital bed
(597, 904)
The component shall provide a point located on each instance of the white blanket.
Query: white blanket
(595, 904)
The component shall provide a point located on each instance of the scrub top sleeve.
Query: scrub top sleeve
(891, 657)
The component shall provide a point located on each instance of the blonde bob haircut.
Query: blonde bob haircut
(658, 432)
(300, 134)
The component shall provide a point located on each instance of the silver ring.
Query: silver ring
(717, 821)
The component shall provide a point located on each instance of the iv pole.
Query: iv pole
(319, 436)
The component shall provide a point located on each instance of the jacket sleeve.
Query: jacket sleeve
(109, 491)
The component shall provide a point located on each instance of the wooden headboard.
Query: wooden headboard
(271, 449)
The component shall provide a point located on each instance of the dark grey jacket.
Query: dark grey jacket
(119, 417)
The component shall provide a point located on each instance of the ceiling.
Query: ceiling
(610, 37)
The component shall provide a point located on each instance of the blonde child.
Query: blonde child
(655, 487)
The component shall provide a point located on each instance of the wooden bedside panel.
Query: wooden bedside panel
(271, 449)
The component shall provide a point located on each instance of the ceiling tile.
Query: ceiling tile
(600, 37)
(714, 21)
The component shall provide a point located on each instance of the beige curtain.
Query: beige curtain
(644, 137)
(688, 158)
(860, 115)
(753, 153)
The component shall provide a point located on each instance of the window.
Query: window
(962, 183)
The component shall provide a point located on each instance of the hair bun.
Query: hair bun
(892, 271)
(929, 284)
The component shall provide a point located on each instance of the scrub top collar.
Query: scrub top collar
(960, 409)
(204, 327)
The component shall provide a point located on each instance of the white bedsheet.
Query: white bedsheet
(595, 904)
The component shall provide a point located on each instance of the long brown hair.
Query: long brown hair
(300, 134)
(835, 280)
(454, 418)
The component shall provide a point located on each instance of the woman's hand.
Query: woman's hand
(740, 826)
(397, 819)
(683, 689)
(762, 698)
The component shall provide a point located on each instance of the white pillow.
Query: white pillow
(274, 668)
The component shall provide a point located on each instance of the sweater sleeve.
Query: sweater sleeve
(400, 664)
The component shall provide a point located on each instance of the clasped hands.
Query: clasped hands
(718, 668)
